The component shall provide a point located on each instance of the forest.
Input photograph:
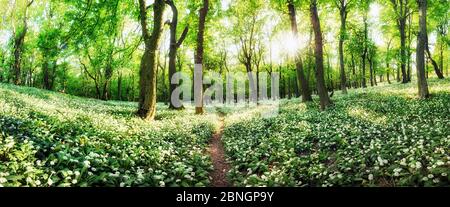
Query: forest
(224, 93)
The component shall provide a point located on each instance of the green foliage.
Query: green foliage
(380, 137)
(49, 139)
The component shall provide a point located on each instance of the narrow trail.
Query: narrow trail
(217, 152)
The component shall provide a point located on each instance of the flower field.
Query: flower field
(382, 136)
(49, 139)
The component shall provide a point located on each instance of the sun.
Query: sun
(290, 43)
(286, 44)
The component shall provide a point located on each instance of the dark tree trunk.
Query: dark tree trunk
(387, 62)
(365, 52)
(203, 12)
(408, 50)
(174, 45)
(420, 53)
(106, 84)
(433, 62)
(363, 71)
(325, 101)
(304, 85)
(441, 55)
(46, 74)
(403, 53)
(147, 81)
(355, 81)
(343, 14)
(119, 87)
(18, 46)
(372, 82)
(388, 73)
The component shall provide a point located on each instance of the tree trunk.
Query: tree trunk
(388, 73)
(147, 80)
(119, 87)
(408, 52)
(203, 12)
(304, 85)
(19, 40)
(372, 82)
(364, 55)
(363, 71)
(387, 62)
(355, 81)
(343, 15)
(420, 53)
(403, 55)
(433, 62)
(46, 73)
(174, 45)
(321, 88)
(441, 54)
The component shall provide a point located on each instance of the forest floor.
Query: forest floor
(380, 136)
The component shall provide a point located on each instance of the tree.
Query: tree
(343, 6)
(49, 45)
(203, 12)
(402, 12)
(304, 85)
(19, 38)
(147, 73)
(321, 88)
(421, 47)
(174, 46)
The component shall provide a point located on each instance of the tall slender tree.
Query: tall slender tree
(19, 39)
(318, 41)
(343, 6)
(304, 85)
(174, 46)
(147, 81)
(421, 47)
(203, 12)
(402, 12)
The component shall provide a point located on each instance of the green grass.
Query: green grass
(51, 139)
(380, 136)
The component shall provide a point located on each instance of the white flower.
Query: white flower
(74, 181)
(418, 165)
(3, 180)
(444, 174)
(77, 173)
(370, 177)
(122, 184)
(86, 163)
(162, 184)
(49, 182)
(430, 176)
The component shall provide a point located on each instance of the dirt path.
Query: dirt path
(217, 152)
